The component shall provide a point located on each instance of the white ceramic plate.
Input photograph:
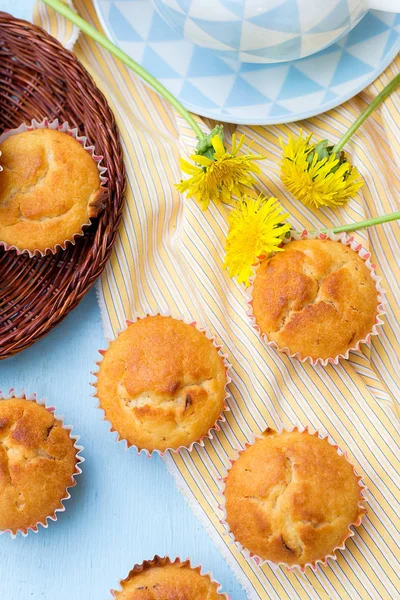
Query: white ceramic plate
(228, 90)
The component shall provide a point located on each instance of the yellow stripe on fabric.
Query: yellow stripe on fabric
(169, 254)
(148, 104)
(277, 586)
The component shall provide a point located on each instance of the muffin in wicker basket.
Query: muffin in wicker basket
(40, 79)
(49, 190)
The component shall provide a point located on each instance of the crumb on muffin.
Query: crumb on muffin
(290, 498)
(316, 298)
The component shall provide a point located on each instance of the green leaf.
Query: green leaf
(205, 147)
(324, 150)
(321, 150)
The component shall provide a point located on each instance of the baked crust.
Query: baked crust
(37, 463)
(162, 580)
(291, 498)
(161, 384)
(49, 189)
(316, 298)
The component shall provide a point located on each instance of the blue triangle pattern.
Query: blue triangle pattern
(229, 34)
(284, 17)
(349, 66)
(193, 96)
(234, 54)
(366, 29)
(237, 8)
(248, 67)
(277, 110)
(290, 47)
(245, 101)
(184, 4)
(160, 31)
(156, 65)
(243, 94)
(324, 52)
(123, 29)
(393, 38)
(297, 84)
(337, 18)
(329, 96)
(206, 62)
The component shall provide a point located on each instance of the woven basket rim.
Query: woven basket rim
(39, 78)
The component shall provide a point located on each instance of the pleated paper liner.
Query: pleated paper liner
(82, 139)
(366, 256)
(225, 408)
(258, 560)
(79, 458)
(159, 561)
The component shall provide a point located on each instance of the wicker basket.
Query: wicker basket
(39, 78)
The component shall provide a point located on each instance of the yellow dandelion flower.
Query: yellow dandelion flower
(256, 229)
(316, 174)
(220, 175)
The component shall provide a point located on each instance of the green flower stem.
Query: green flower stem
(92, 32)
(364, 115)
(362, 224)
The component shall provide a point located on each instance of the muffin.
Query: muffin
(161, 579)
(317, 298)
(290, 498)
(38, 461)
(161, 384)
(49, 189)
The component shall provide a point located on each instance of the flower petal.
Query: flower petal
(218, 146)
(204, 161)
(330, 181)
(255, 229)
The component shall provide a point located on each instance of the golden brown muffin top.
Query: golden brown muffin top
(162, 580)
(49, 189)
(37, 462)
(316, 298)
(161, 384)
(290, 498)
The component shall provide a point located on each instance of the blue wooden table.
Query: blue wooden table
(125, 507)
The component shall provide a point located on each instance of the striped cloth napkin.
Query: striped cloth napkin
(169, 255)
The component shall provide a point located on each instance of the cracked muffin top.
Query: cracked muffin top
(161, 384)
(316, 298)
(162, 580)
(291, 498)
(49, 188)
(37, 463)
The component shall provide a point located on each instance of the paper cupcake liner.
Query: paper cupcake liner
(159, 561)
(225, 408)
(258, 560)
(380, 311)
(82, 139)
(80, 459)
